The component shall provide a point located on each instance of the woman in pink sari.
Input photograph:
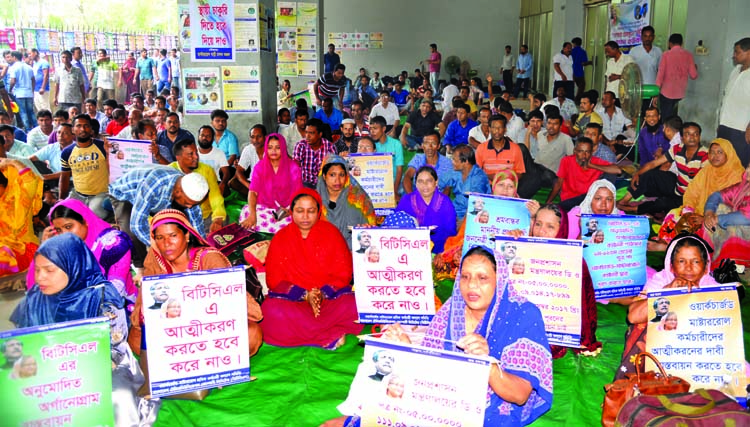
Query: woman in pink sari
(111, 247)
(275, 179)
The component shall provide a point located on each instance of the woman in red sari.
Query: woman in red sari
(309, 274)
(127, 72)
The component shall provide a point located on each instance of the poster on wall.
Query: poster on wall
(184, 36)
(202, 91)
(246, 27)
(286, 14)
(307, 64)
(241, 88)
(307, 15)
(287, 63)
(626, 21)
(212, 30)
(7, 38)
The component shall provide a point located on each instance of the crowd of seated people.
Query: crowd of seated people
(299, 191)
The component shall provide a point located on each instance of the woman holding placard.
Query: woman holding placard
(430, 207)
(309, 274)
(600, 200)
(551, 222)
(69, 285)
(345, 203)
(176, 247)
(446, 263)
(686, 265)
(485, 316)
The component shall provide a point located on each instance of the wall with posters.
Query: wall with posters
(224, 78)
(475, 31)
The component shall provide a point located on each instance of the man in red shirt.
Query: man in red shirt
(577, 172)
(499, 153)
(119, 122)
(677, 64)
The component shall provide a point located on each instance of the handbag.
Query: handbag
(702, 408)
(230, 238)
(648, 383)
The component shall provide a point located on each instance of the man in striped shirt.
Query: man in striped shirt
(310, 152)
(331, 85)
(651, 181)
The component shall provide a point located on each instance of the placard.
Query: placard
(69, 40)
(197, 330)
(29, 38)
(548, 272)
(127, 154)
(615, 252)
(489, 216)
(241, 87)
(698, 336)
(246, 27)
(212, 30)
(202, 91)
(393, 275)
(374, 172)
(62, 375)
(627, 20)
(184, 26)
(423, 387)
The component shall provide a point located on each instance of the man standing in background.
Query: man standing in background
(165, 72)
(145, 68)
(562, 65)
(615, 64)
(677, 64)
(331, 59)
(734, 118)
(648, 57)
(77, 56)
(507, 69)
(22, 87)
(524, 66)
(433, 67)
(174, 61)
(41, 77)
(580, 60)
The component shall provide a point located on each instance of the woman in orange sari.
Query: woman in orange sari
(176, 247)
(309, 274)
(20, 198)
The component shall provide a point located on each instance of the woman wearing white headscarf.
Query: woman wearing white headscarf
(600, 200)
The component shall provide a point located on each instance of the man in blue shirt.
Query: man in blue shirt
(22, 87)
(143, 192)
(165, 72)
(580, 59)
(400, 97)
(224, 138)
(161, 149)
(145, 69)
(331, 59)
(458, 130)
(466, 178)
(386, 144)
(41, 76)
(330, 115)
(524, 67)
(76, 61)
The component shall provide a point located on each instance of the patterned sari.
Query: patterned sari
(513, 328)
(19, 202)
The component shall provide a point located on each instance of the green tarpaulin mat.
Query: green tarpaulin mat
(302, 386)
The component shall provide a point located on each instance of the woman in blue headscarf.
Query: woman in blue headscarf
(68, 285)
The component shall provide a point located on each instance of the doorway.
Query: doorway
(596, 34)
